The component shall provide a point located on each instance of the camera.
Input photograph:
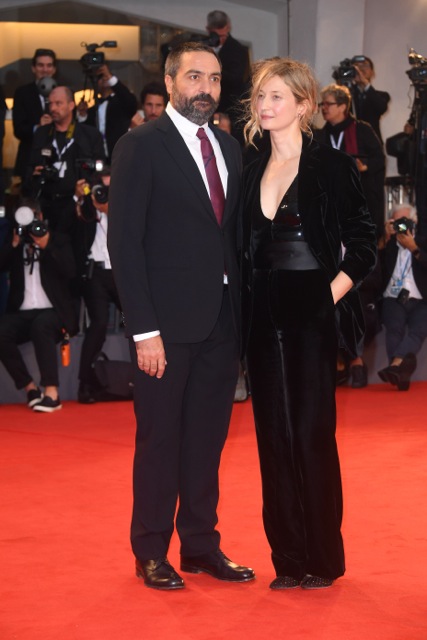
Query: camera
(93, 59)
(86, 167)
(49, 172)
(100, 192)
(28, 225)
(418, 71)
(403, 225)
(345, 73)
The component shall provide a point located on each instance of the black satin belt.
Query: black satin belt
(291, 255)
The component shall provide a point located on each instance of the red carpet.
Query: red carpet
(67, 569)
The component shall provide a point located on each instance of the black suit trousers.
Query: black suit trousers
(182, 424)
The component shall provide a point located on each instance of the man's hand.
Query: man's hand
(151, 356)
(136, 120)
(407, 241)
(41, 242)
(361, 78)
(82, 108)
(104, 74)
(45, 119)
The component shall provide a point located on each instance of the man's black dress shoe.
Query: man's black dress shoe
(216, 564)
(85, 394)
(400, 375)
(359, 376)
(158, 574)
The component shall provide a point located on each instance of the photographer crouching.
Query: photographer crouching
(40, 308)
(98, 288)
(403, 256)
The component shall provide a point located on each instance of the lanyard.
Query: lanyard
(337, 145)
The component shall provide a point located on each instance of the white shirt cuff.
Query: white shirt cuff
(145, 336)
(112, 81)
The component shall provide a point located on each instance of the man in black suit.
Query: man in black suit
(30, 108)
(369, 104)
(39, 306)
(112, 113)
(172, 243)
(235, 73)
(61, 151)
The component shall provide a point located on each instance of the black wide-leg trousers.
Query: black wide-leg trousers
(291, 361)
(182, 424)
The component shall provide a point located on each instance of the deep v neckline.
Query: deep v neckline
(281, 203)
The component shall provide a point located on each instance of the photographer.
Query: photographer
(403, 254)
(115, 105)
(56, 156)
(30, 108)
(98, 286)
(369, 104)
(39, 308)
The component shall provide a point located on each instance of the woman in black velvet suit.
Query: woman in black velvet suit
(302, 203)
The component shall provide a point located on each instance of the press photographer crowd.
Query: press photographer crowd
(56, 279)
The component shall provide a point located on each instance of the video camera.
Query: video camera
(346, 72)
(27, 225)
(418, 71)
(93, 59)
(403, 225)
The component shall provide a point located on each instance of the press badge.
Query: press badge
(396, 287)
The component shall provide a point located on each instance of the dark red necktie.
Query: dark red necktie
(214, 180)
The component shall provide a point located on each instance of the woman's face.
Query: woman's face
(276, 106)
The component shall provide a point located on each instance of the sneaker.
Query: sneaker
(34, 397)
(48, 405)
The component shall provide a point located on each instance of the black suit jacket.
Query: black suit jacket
(235, 73)
(27, 111)
(57, 268)
(120, 109)
(370, 106)
(333, 211)
(167, 250)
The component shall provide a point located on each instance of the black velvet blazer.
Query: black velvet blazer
(334, 213)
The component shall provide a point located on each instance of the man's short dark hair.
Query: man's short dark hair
(174, 58)
(217, 20)
(154, 89)
(39, 53)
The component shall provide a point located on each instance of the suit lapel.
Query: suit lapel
(185, 164)
(233, 180)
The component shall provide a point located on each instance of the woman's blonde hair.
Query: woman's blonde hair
(300, 79)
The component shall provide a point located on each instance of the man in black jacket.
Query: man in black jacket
(369, 104)
(30, 108)
(39, 309)
(172, 239)
(114, 107)
(235, 70)
(60, 152)
(404, 305)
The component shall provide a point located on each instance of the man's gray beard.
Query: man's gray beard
(187, 108)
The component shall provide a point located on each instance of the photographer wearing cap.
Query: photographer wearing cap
(403, 255)
(114, 107)
(40, 308)
(60, 151)
(369, 104)
(98, 286)
(30, 107)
